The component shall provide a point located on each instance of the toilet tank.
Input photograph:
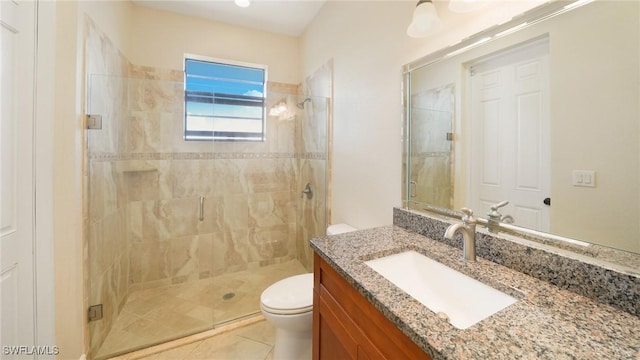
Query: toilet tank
(339, 229)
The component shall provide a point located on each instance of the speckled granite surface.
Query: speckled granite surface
(583, 274)
(546, 323)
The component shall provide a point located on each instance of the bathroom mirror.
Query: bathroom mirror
(542, 111)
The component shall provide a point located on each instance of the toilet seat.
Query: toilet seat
(293, 295)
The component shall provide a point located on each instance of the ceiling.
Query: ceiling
(288, 17)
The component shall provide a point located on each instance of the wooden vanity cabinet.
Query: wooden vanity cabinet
(347, 326)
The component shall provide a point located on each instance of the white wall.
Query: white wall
(365, 42)
(594, 104)
(67, 182)
(368, 44)
(114, 18)
(162, 38)
(44, 239)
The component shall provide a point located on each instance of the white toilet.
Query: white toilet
(288, 306)
(336, 229)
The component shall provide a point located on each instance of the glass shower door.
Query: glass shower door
(430, 166)
(265, 222)
(183, 236)
(146, 241)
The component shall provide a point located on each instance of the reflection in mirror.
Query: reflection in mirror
(431, 152)
(546, 117)
(508, 102)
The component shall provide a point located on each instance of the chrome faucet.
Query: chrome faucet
(468, 230)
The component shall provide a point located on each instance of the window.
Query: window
(224, 100)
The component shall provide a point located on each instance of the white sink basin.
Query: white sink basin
(447, 292)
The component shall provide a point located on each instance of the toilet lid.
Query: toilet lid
(291, 295)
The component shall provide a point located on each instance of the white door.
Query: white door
(509, 115)
(17, 23)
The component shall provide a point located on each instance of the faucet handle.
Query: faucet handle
(467, 216)
(499, 205)
(494, 215)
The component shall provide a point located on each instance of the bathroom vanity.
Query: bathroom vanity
(359, 314)
(347, 326)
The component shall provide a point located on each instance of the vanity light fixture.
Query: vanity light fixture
(425, 19)
(243, 3)
(465, 48)
(465, 6)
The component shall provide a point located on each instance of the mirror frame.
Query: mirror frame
(621, 260)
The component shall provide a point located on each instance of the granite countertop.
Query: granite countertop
(545, 323)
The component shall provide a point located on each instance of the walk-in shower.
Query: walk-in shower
(183, 236)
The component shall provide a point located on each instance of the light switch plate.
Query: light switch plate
(584, 178)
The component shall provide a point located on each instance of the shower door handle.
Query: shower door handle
(201, 216)
(307, 191)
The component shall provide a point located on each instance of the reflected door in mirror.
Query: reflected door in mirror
(509, 118)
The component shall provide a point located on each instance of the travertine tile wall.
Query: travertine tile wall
(249, 189)
(145, 183)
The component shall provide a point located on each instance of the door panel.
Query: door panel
(17, 26)
(509, 121)
(491, 169)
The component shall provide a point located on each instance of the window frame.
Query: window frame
(195, 135)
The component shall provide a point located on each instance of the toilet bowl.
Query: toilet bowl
(288, 306)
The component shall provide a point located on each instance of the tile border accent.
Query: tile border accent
(204, 156)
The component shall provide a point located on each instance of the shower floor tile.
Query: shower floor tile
(157, 315)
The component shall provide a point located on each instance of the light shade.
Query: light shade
(425, 19)
(243, 3)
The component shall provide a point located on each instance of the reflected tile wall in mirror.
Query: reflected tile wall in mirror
(431, 161)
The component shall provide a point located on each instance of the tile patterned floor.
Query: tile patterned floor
(157, 315)
(253, 342)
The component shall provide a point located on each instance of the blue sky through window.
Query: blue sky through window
(228, 79)
(223, 101)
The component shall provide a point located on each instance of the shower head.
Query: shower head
(300, 105)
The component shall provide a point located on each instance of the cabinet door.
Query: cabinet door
(368, 351)
(335, 341)
(358, 329)
(334, 346)
(362, 354)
